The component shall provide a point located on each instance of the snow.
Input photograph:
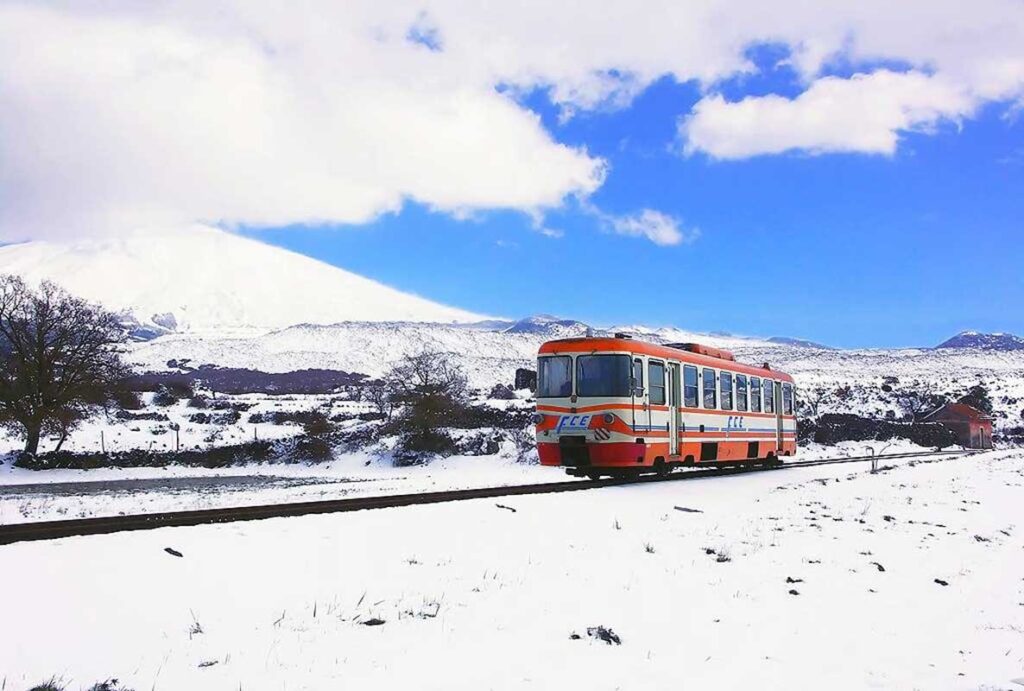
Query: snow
(201, 279)
(27, 495)
(473, 595)
(491, 356)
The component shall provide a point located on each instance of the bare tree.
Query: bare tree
(380, 397)
(811, 399)
(918, 398)
(59, 360)
(429, 373)
(432, 390)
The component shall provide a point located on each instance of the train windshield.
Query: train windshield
(554, 376)
(602, 375)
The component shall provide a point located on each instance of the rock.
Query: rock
(606, 635)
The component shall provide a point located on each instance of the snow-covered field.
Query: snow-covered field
(826, 577)
(60, 494)
(115, 435)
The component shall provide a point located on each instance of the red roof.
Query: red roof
(961, 410)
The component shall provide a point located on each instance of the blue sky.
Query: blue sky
(849, 249)
(802, 169)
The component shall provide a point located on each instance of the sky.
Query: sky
(813, 171)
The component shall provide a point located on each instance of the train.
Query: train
(618, 405)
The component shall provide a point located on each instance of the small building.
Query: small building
(972, 427)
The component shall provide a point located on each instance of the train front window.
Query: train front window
(554, 376)
(602, 375)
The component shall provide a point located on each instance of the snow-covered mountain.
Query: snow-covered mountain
(983, 341)
(803, 343)
(204, 279)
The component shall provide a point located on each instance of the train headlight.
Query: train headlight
(608, 418)
(537, 418)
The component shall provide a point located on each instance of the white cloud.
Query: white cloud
(123, 114)
(659, 228)
(114, 122)
(864, 113)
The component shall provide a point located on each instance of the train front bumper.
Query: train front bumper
(579, 452)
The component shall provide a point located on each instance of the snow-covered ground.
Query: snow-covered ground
(27, 495)
(115, 434)
(825, 577)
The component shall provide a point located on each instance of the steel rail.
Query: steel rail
(50, 530)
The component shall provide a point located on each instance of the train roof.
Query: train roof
(684, 352)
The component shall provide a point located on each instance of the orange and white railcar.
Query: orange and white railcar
(608, 406)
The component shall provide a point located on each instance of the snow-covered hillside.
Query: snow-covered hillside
(491, 355)
(201, 279)
(993, 341)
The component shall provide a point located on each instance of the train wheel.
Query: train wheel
(594, 476)
(662, 468)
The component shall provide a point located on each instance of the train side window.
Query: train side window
(638, 376)
(787, 399)
(725, 384)
(769, 396)
(741, 392)
(656, 376)
(691, 393)
(710, 395)
(755, 394)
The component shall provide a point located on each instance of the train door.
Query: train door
(674, 413)
(636, 393)
(778, 415)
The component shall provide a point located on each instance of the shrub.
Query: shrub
(833, 428)
(501, 392)
(199, 401)
(214, 457)
(126, 399)
(418, 447)
(228, 417)
(312, 449)
(164, 397)
(317, 425)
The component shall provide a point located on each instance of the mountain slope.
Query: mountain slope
(980, 341)
(201, 278)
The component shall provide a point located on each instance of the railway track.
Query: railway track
(49, 530)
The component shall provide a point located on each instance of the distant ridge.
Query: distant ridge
(798, 342)
(984, 341)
